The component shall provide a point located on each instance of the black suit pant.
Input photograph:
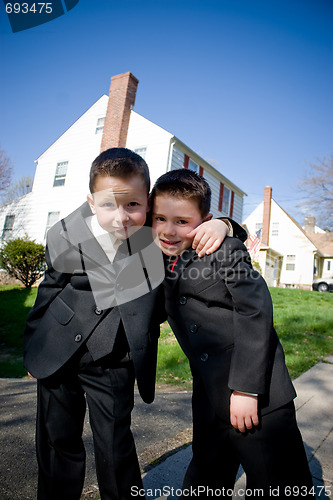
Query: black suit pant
(272, 454)
(107, 387)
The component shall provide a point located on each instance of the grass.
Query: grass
(303, 320)
(172, 365)
(15, 303)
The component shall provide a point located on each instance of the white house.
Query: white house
(289, 255)
(62, 174)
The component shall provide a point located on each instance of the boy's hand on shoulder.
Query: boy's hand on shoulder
(208, 236)
(243, 411)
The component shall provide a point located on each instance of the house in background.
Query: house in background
(324, 242)
(62, 174)
(289, 256)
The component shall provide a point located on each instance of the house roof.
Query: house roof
(309, 236)
(323, 241)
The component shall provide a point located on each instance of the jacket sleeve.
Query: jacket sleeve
(53, 283)
(237, 230)
(254, 335)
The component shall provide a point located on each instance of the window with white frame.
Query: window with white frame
(141, 151)
(258, 226)
(328, 265)
(7, 230)
(100, 125)
(226, 200)
(275, 229)
(290, 262)
(60, 174)
(52, 218)
(193, 166)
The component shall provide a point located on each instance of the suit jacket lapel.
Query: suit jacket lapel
(82, 239)
(184, 260)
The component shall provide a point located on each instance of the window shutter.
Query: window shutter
(221, 196)
(232, 204)
(200, 170)
(186, 160)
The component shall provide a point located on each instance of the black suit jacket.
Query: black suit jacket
(83, 298)
(220, 310)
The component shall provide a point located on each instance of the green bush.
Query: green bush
(23, 259)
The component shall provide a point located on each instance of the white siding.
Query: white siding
(144, 133)
(177, 159)
(215, 188)
(238, 208)
(327, 268)
(21, 209)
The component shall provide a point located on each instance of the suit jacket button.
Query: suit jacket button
(98, 311)
(204, 356)
(78, 337)
(193, 328)
(182, 300)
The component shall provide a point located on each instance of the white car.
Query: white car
(323, 284)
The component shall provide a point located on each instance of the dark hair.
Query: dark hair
(119, 162)
(185, 184)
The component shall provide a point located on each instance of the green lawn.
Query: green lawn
(15, 303)
(303, 320)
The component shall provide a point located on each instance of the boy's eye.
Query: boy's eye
(108, 204)
(182, 221)
(133, 204)
(159, 218)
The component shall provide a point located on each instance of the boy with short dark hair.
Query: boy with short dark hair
(220, 310)
(93, 329)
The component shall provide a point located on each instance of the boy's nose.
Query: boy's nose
(121, 216)
(169, 230)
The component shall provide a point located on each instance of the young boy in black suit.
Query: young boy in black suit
(220, 310)
(94, 327)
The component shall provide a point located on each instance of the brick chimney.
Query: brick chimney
(266, 215)
(309, 224)
(121, 99)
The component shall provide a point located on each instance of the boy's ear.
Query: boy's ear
(209, 217)
(90, 200)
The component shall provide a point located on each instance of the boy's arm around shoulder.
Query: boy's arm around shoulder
(208, 236)
(252, 318)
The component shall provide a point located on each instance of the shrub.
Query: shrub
(24, 259)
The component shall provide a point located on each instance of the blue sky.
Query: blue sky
(247, 84)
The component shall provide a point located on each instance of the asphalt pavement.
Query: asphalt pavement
(162, 433)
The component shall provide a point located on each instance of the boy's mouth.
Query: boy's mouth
(169, 243)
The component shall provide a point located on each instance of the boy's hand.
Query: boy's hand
(208, 236)
(243, 411)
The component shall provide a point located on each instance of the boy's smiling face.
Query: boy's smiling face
(173, 218)
(120, 204)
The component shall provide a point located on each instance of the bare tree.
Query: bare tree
(317, 187)
(5, 172)
(17, 189)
